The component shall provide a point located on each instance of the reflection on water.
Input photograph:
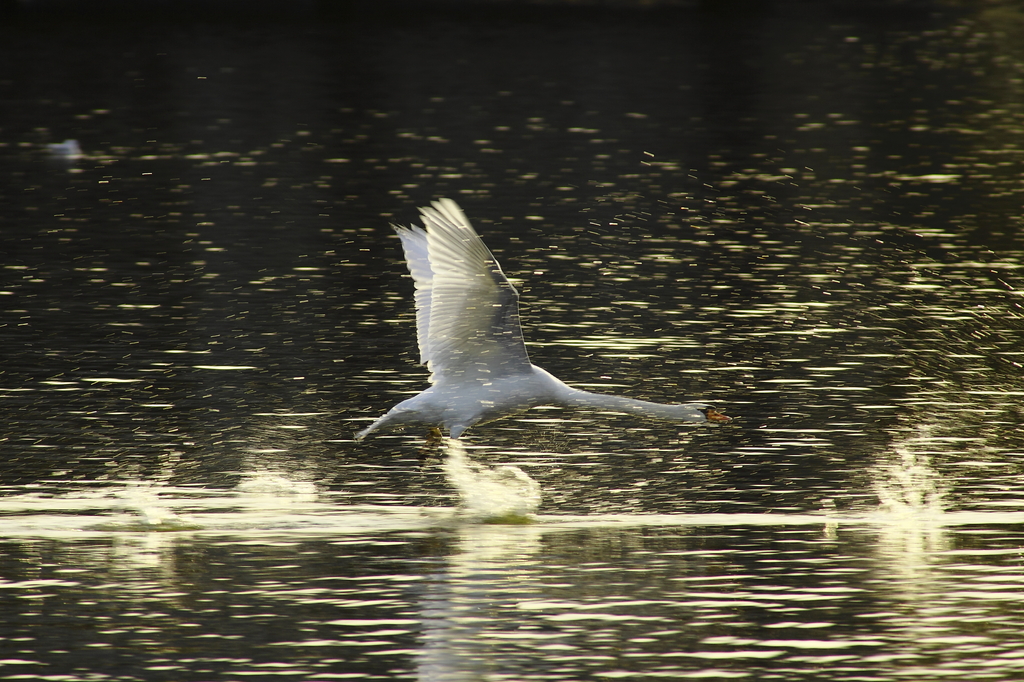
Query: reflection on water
(487, 567)
(330, 589)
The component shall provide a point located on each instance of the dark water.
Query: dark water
(806, 213)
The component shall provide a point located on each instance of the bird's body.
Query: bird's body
(470, 338)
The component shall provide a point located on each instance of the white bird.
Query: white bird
(467, 323)
(69, 150)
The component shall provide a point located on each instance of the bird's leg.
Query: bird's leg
(431, 445)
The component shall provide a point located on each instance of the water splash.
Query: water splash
(503, 494)
(142, 510)
(908, 485)
(277, 486)
(911, 514)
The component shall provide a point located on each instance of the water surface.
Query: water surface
(809, 217)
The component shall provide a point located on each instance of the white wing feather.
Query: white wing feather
(472, 327)
(414, 243)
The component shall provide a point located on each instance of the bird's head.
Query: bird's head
(714, 415)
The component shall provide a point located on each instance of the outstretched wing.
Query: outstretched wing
(467, 312)
(414, 243)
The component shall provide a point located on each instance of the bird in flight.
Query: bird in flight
(470, 338)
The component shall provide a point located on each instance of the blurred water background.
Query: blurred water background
(808, 213)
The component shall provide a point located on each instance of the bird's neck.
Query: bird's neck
(599, 401)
